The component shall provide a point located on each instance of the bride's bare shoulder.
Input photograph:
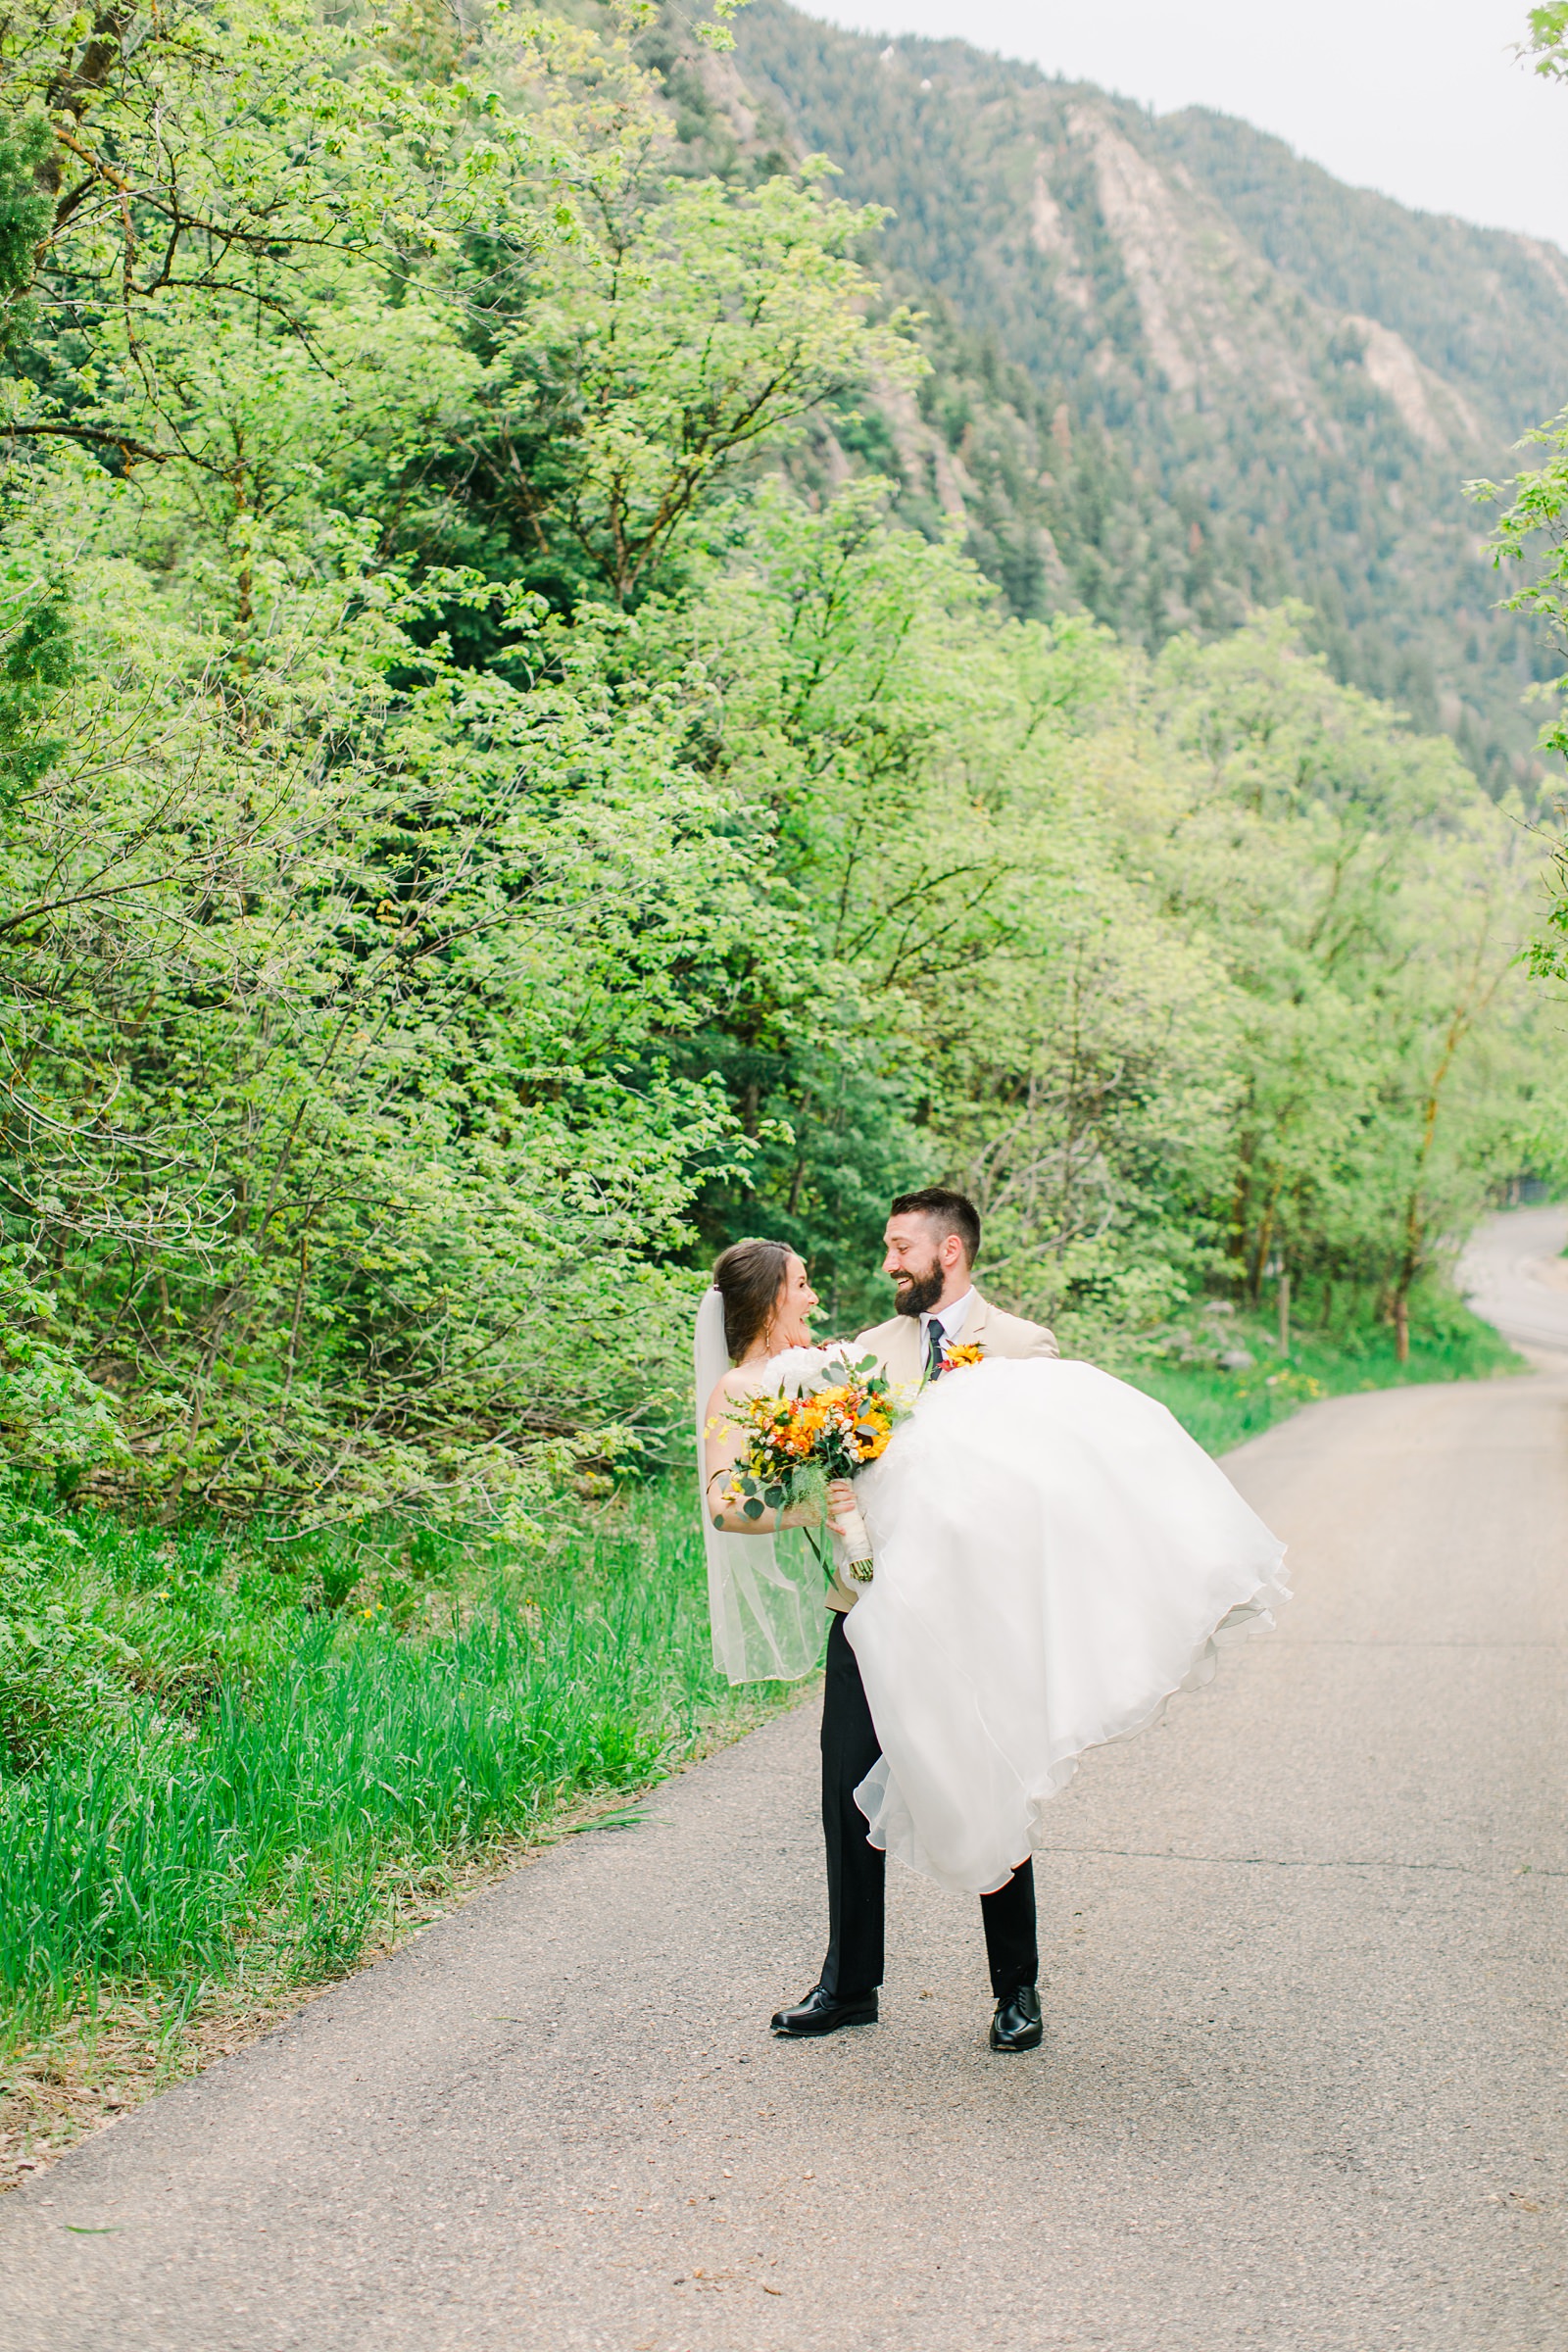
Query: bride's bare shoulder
(730, 1386)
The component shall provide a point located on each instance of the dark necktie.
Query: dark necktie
(933, 1349)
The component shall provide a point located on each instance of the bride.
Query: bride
(1054, 1557)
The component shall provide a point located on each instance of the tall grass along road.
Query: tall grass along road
(217, 1790)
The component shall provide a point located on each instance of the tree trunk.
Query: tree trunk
(1236, 1240)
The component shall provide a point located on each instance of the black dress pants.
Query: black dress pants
(857, 1871)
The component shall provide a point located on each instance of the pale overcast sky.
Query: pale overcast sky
(1421, 98)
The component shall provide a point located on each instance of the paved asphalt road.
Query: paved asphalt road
(1303, 2082)
(1515, 1274)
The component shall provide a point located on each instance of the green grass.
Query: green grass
(1222, 1408)
(227, 1776)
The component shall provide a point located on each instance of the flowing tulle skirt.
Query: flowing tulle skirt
(1054, 1557)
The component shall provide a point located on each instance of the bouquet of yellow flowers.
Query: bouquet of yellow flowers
(826, 1430)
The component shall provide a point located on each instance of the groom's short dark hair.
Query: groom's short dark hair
(949, 1212)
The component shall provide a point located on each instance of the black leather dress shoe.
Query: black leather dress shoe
(821, 2013)
(1017, 2024)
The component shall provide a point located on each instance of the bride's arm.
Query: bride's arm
(723, 1447)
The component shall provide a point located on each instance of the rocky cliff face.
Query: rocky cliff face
(1217, 318)
(1176, 369)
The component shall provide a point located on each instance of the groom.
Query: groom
(933, 1239)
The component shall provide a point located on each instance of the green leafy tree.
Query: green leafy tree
(679, 332)
(1532, 537)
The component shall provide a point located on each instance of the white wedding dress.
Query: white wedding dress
(1054, 1556)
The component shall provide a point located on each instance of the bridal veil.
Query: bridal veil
(764, 1592)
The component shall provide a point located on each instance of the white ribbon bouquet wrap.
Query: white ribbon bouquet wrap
(851, 1550)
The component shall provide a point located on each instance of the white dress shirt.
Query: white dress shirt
(949, 1319)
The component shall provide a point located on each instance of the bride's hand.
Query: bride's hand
(839, 1504)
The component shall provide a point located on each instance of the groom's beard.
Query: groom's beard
(918, 1293)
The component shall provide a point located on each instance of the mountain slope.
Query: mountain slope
(1486, 310)
(1177, 370)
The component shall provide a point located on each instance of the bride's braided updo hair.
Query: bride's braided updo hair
(748, 1278)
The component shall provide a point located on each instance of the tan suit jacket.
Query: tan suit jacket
(896, 1345)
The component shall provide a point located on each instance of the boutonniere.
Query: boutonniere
(955, 1359)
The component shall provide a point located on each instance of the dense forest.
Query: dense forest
(503, 785)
